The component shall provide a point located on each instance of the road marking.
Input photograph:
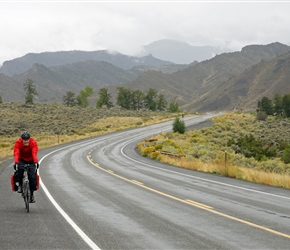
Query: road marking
(137, 182)
(90, 243)
(199, 204)
(80, 232)
(199, 178)
(191, 202)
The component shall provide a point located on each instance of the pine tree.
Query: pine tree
(178, 126)
(30, 90)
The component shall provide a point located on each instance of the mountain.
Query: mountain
(53, 83)
(181, 52)
(226, 81)
(245, 90)
(50, 59)
(198, 82)
(9, 89)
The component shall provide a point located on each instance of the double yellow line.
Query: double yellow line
(189, 202)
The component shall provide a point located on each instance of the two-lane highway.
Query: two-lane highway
(100, 193)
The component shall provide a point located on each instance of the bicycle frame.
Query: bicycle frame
(25, 186)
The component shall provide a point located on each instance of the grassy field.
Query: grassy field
(207, 150)
(55, 124)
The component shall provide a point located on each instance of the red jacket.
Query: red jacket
(26, 153)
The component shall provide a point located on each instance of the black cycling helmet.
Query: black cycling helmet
(25, 135)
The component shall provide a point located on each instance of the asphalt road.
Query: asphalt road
(99, 193)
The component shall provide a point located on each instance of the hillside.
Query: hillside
(245, 90)
(9, 89)
(51, 59)
(53, 83)
(199, 82)
(206, 86)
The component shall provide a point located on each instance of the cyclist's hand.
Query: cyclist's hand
(36, 165)
(16, 166)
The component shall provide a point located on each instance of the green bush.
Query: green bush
(178, 126)
(158, 146)
(286, 155)
(249, 146)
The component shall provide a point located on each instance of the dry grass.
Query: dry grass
(246, 174)
(206, 149)
(51, 125)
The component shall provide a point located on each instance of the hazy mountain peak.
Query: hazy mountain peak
(181, 52)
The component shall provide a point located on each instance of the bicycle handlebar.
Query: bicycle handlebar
(26, 165)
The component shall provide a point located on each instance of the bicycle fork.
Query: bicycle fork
(25, 186)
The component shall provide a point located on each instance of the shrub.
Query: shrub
(158, 146)
(147, 151)
(286, 155)
(155, 156)
(249, 146)
(262, 116)
(178, 126)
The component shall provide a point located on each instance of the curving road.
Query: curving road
(99, 193)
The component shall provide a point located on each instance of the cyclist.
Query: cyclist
(25, 152)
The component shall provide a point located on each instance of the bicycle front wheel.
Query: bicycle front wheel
(26, 196)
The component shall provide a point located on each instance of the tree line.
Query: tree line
(126, 98)
(278, 106)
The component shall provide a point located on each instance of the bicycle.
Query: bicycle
(25, 185)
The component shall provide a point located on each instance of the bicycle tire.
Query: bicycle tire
(26, 196)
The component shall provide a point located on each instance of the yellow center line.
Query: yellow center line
(190, 202)
(137, 182)
(199, 204)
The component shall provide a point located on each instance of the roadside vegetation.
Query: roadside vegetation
(237, 145)
(252, 147)
(53, 124)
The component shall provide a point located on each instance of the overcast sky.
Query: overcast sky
(126, 26)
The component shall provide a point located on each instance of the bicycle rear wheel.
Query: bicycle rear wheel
(26, 196)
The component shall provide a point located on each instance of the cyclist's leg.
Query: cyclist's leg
(20, 174)
(32, 178)
(20, 179)
(32, 182)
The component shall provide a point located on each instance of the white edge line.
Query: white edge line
(81, 233)
(60, 210)
(199, 178)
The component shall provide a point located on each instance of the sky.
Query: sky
(127, 26)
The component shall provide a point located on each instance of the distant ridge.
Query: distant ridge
(50, 59)
(181, 52)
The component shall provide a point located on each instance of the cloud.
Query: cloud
(127, 26)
